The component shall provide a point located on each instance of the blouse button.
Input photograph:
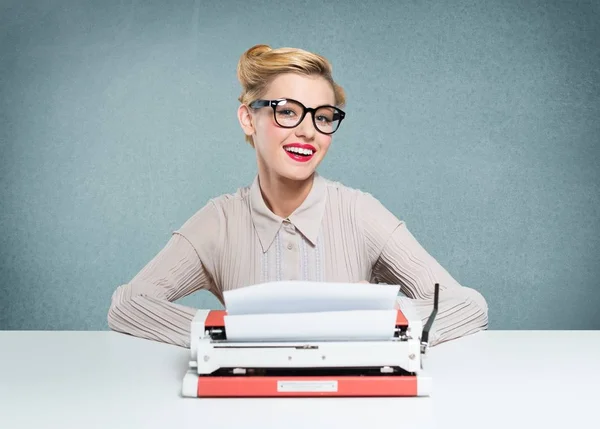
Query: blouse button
(290, 246)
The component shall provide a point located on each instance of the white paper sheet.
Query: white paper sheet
(306, 297)
(321, 326)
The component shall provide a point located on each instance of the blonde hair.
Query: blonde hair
(260, 64)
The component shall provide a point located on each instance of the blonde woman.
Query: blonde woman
(290, 223)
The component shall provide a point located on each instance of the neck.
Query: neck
(282, 195)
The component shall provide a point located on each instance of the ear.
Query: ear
(246, 120)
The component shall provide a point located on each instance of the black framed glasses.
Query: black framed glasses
(289, 113)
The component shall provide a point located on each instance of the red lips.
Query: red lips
(298, 157)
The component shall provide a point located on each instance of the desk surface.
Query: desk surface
(109, 380)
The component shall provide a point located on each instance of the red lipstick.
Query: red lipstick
(300, 152)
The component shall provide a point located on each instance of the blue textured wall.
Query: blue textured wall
(475, 122)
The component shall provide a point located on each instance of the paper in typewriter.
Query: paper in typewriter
(297, 311)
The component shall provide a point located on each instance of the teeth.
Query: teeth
(299, 150)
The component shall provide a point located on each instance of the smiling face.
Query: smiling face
(282, 152)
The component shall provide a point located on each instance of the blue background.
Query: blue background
(476, 122)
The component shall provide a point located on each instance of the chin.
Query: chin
(299, 175)
(297, 171)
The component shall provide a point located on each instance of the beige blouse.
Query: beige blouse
(338, 234)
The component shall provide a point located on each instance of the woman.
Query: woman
(290, 223)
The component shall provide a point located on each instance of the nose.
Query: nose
(306, 128)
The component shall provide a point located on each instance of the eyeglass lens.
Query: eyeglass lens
(289, 114)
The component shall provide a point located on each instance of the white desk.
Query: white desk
(493, 379)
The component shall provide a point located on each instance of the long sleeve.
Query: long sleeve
(144, 307)
(461, 310)
(398, 258)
